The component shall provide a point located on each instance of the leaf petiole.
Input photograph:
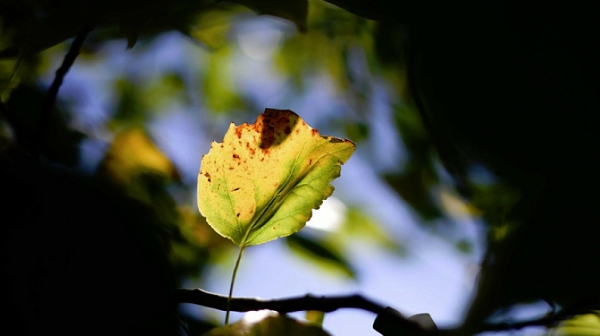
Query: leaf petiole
(235, 269)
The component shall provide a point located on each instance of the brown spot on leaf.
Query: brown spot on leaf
(235, 189)
(274, 126)
(207, 176)
(237, 215)
(251, 149)
(314, 132)
(236, 157)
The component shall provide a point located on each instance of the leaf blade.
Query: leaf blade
(263, 180)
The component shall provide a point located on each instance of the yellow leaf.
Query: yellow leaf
(264, 179)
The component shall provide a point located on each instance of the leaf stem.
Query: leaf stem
(235, 269)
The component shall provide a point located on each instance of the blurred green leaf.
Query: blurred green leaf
(33, 26)
(168, 88)
(315, 316)
(309, 53)
(59, 141)
(357, 131)
(321, 253)
(293, 10)
(219, 89)
(271, 325)
(324, 49)
(131, 106)
(414, 185)
(133, 153)
(580, 325)
(362, 226)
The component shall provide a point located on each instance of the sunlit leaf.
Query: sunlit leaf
(263, 180)
(272, 325)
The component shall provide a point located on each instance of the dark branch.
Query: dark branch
(48, 104)
(303, 303)
(549, 321)
(387, 317)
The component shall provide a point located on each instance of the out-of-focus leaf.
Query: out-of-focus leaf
(455, 206)
(169, 87)
(357, 131)
(334, 41)
(194, 243)
(415, 181)
(321, 254)
(414, 186)
(219, 87)
(133, 153)
(359, 224)
(263, 180)
(315, 316)
(59, 142)
(211, 28)
(9, 77)
(580, 325)
(371, 9)
(312, 52)
(33, 26)
(271, 325)
(294, 10)
(131, 107)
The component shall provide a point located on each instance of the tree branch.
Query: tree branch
(52, 93)
(548, 321)
(302, 303)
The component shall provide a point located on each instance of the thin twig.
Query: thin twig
(302, 303)
(52, 93)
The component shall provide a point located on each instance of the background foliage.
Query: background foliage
(116, 176)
